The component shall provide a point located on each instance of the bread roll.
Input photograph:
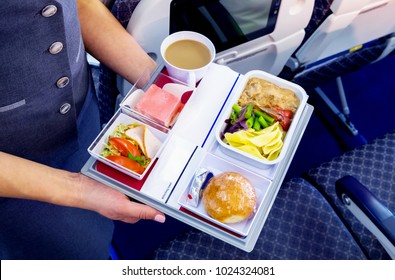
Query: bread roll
(229, 198)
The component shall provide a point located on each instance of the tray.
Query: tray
(191, 143)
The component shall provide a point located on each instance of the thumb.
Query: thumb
(142, 211)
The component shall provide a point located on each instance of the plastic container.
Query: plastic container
(217, 165)
(99, 143)
(244, 156)
(165, 82)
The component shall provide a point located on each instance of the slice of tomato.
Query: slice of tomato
(124, 146)
(127, 163)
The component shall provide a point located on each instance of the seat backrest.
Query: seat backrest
(316, 75)
(108, 3)
(347, 25)
(150, 25)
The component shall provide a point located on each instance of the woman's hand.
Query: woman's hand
(114, 204)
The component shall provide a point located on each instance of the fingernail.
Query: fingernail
(160, 218)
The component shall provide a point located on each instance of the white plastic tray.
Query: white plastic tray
(217, 165)
(243, 156)
(165, 82)
(120, 118)
(191, 144)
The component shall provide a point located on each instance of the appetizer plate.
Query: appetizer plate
(164, 82)
(121, 118)
(244, 156)
(217, 165)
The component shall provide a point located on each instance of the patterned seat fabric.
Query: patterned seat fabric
(300, 225)
(374, 166)
(342, 64)
(107, 90)
(322, 9)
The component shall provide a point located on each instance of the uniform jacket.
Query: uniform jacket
(44, 80)
(48, 113)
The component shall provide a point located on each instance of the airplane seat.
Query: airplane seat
(108, 3)
(348, 24)
(320, 12)
(347, 63)
(373, 166)
(369, 210)
(342, 37)
(300, 226)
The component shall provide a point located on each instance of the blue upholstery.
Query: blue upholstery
(300, 225)
(336, 66)
(340, 65)
(373, 165)
(322, 9)
(107, 90)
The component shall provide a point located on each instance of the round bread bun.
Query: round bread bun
(229, 198)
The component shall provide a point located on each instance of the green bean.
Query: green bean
(248, 112)
(267, 118)
(258, 112)
(250, 122)
(236, 108)
(262, 121)
(257, 125)
(233, 117)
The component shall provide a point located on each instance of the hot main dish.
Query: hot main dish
(132, 146)
(259, 120)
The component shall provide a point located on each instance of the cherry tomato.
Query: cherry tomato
(127, 163)
(284, 118)
(124, 146)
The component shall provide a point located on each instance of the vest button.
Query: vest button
(56, 47)
(65, 108)
(49, 11)
(62, 82)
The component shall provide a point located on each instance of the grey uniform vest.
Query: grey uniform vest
(48, 113)
(43, 79)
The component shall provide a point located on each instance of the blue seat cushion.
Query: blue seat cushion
(300, 225)
(373, 165)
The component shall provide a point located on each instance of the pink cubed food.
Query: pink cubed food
(159, 105)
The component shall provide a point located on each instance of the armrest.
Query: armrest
(368, 209)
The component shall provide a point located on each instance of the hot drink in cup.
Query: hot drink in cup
(187, 56)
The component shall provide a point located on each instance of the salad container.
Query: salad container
(99, 144)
